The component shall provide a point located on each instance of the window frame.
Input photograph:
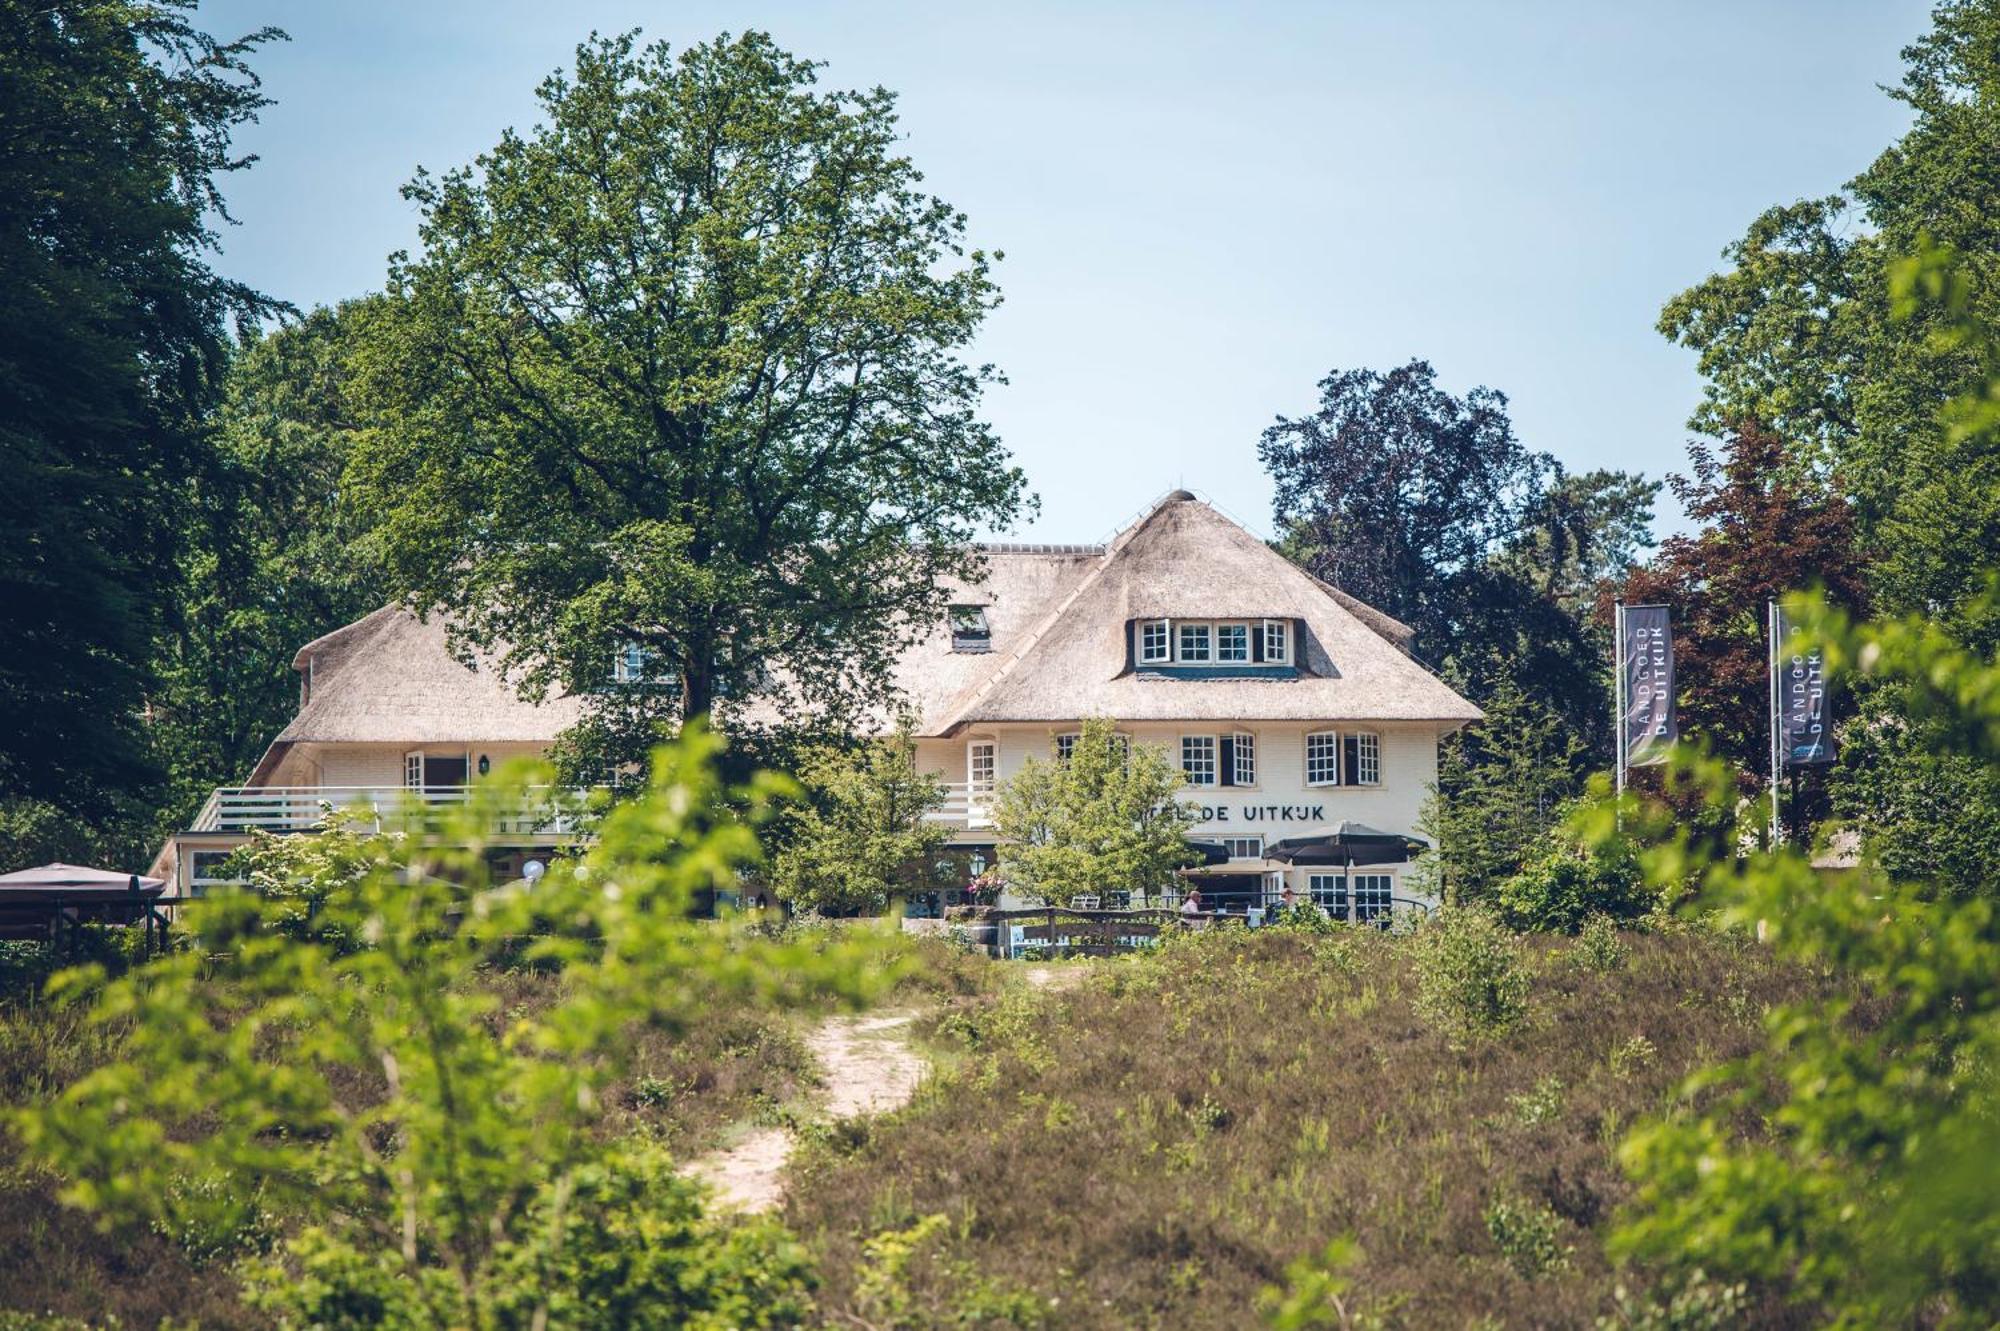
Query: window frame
(974, 750)
(1367, 758)
(1242, 743)
(1230, 843)
(969, 625)
(1206, 629)
(1214, 761)
(1165, 655)
(1223, 626)
(1334, 899)
(1063, 744)
(1332, 753)
(1282, 655)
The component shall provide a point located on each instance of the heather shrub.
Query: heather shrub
(1697, 1304)
(1471, 980)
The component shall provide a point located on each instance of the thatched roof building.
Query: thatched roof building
(390, 678)
(1061, 618)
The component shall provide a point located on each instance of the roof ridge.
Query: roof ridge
(1027, 641)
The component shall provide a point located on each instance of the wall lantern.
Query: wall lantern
(485, 764)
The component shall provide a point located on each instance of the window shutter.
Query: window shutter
(1226, 761)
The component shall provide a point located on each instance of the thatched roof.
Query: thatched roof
(390, 678)
(1057, 651)
(1065, 658)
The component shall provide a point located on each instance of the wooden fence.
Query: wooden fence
(1066, 931)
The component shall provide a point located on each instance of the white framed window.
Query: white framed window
(629, 667)
(1156, 643)
(1243, 758)
(1374, 896)
(1232, 642)
(1066, 745)
(1197, 642)
(413, 770)
(1328, 891)
(1277, 642)
(1323, 758)
(982, 763)
(1364, 758)
(1198, 759)
(1244, 847)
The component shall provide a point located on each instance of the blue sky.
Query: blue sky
(1204, 208)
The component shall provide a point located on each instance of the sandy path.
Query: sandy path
(868, 1068)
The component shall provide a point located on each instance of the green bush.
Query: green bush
(1698, 1304)
(1598, 948)
(1471, 980)
(1569, 884)
(1526, 1233)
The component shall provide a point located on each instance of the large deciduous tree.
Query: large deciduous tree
(270, 561)
(117, 120)
(680, 368)
(1428, 506)
(1799, 331)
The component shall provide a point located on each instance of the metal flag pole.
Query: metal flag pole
(1618, 700)
(1777, 754)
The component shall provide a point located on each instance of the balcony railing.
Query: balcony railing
(965, 806)
(306, 808)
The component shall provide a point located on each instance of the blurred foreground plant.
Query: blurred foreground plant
(442, 1162)
(1865, 1186)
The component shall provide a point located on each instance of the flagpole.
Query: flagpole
(1618, 698)
(1777, 756)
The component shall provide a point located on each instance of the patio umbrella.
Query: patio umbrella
(71, 880)
(1347, 843)
(1212, 852)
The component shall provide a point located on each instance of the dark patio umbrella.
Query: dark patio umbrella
(1212, 852)
(1347, 843)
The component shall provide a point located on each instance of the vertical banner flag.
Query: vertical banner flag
(1805, 738)
(1649, 724)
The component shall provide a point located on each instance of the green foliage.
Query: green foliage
(1502, 786)
(1866, 1196)
(1570, 882)
(117, 119)
(1801, 332)
(1110, 818)
(1471, 980)
(1544, 1104)
(1696, 1303)
(1598, 948)
(1427, 506)
(749, 446)
(1528, 1235)
(865, 828)
(1313, 1292)
(271, 559)
(437, 1152)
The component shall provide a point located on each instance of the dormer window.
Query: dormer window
(1277, 642)
(969, 629)
(629, 666)
(1227, 645)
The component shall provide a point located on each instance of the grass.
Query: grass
(1152, 1147)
